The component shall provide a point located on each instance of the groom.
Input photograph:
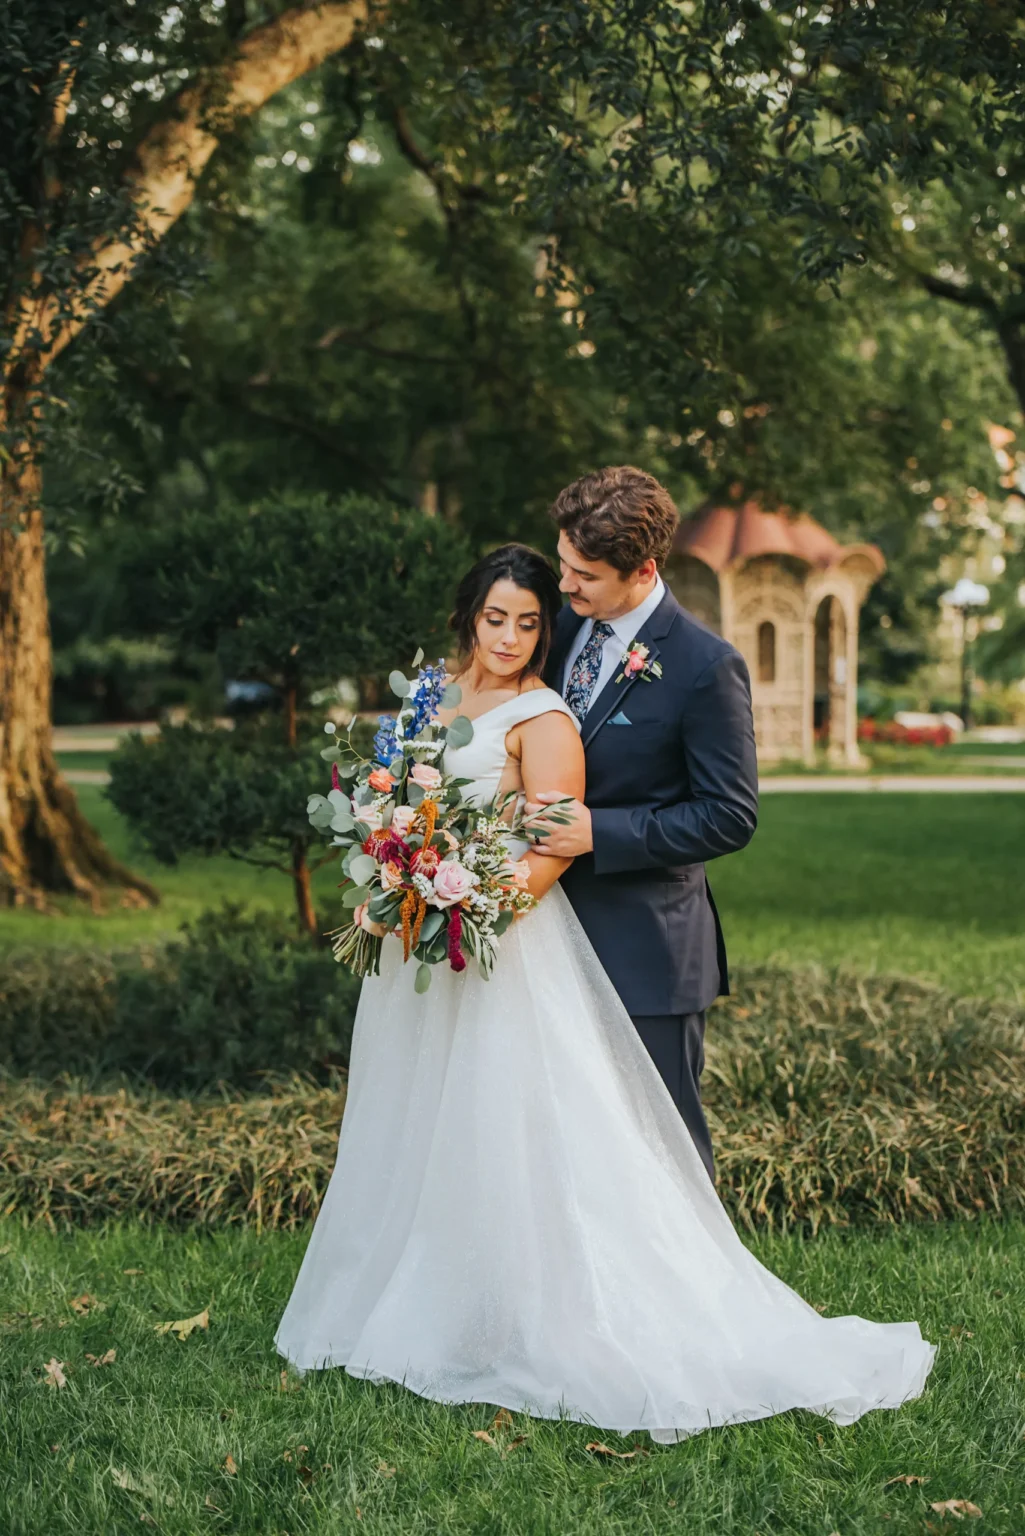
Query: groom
(671, 773)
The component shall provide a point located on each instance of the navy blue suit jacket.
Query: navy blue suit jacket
(673, 787)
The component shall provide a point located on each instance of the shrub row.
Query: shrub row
(832, 1100)
(237, 996)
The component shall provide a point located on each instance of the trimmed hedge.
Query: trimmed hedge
(833, 1101)
(236, 997)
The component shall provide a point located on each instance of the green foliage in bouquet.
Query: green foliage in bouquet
(419, 857)
(294, 591)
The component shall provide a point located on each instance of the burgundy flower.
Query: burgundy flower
(336, 782)
(456, 958)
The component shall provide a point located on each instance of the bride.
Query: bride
(518, 1215)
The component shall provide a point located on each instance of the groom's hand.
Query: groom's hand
(562, 842)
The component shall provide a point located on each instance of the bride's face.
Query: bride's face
(507, 629)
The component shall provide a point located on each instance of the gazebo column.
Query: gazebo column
(808, 691)
(853, 754)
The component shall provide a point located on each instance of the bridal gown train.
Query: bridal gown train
(519, 1217)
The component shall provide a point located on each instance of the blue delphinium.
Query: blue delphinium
(425, 699)
(386, 746)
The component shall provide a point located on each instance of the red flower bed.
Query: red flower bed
(903, 735)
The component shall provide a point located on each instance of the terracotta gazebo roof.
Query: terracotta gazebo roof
(721, 534)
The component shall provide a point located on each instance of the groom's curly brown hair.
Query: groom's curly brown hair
(619, 514)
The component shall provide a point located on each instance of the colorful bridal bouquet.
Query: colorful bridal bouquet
(421, 863)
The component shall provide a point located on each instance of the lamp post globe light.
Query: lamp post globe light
(964, 596)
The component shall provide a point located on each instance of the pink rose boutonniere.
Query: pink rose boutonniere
(637, 663)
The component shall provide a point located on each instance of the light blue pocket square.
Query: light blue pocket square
(620, 719)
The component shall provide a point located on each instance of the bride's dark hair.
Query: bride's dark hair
(524, 567)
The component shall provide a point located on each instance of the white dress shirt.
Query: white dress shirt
(624, 629)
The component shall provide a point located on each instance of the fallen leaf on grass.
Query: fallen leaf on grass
(519, 1440)
(208, 1503)
(185, 1325)
(133, 1271)
(957, 1507)
(908, 1478)
(597, 1449)
(228, 1465)
(385, 1470)
(294, 1455)
(482, 1434)
(145, 1485)
(105, 1359)
(503, 1419)
(54, 1373)
(85, 1304)
(959, 1331)
(286, 1384)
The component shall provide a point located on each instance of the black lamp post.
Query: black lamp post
(964, 596)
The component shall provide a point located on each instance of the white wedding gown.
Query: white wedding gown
(518, 1215)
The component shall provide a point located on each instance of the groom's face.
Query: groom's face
(596, 589)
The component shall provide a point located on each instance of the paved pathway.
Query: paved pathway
(904, 783)
(803, 783)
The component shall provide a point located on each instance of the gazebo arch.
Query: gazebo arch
(788, 595)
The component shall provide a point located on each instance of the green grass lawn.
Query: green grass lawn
(186, 889)
(146, 1437)
(924, 885)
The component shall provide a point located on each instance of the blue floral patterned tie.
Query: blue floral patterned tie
(584, 672)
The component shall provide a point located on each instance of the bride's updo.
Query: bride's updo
(524, 567)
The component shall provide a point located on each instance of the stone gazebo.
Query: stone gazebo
(787, 595)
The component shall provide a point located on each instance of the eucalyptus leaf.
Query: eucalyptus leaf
(418, 658)
(451, 696)
(502, 922)
(339, 821)
(362, 867)
(459, 733)
(433, 923)
(355, 896)
(416, 794)
(423, 978)
(330, 754)
(399, 684)
(397, 766)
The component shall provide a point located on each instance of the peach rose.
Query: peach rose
(402, 820)
(452, 883)
(391, 876)
(362, 920)
(426, 776)
(369, 816)
(381, 781)
(517, 874)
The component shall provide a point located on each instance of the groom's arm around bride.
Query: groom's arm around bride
(665, 711)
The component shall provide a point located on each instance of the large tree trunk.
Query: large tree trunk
(46, 844)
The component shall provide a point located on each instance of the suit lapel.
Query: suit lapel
(613, 693)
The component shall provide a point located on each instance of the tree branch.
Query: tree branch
(171, 157)
(971, 296)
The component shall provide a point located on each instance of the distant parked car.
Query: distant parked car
(245, 696)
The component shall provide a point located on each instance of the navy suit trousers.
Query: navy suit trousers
(676, 1044)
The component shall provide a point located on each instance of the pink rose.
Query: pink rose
(402, 820)
(634, 663)
(517, 874)
(426, 776)
(452, 883)
(381, 780)
(391, 876)
(369, 816)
